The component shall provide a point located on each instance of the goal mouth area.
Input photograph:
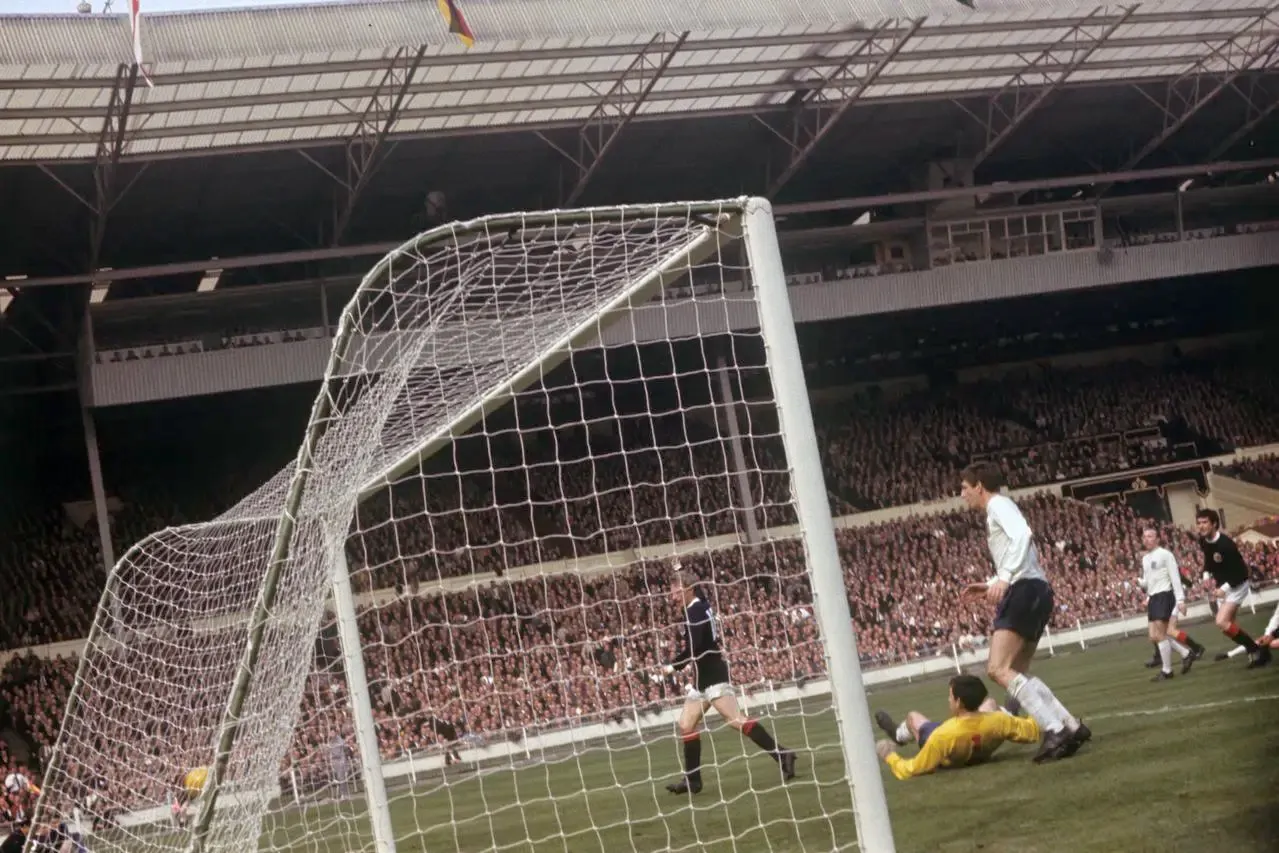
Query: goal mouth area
(402, 383)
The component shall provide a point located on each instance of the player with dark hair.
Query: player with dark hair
(711, 689)
(1024, 605)
(1225, 564)
(1161, 579)
(976, 728)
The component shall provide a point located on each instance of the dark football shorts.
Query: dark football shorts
(1160, 606)
(1026, 610)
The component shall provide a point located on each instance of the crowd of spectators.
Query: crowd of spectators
(517, 655)
(511, 657)
(1045, 426)
(1261, 470)
(581, 491)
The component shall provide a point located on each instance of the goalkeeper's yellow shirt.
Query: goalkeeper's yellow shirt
(960, 741)
(193, 783)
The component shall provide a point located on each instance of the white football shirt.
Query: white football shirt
(1012, 544)
(1160, 573)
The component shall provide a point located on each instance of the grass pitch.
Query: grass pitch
(1190, 765)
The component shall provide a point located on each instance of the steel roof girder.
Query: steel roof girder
(1187, 94)
(617, 106)
(366, 148)
(1257, 113)
(956, 28)
(1071, 52)
(589, 78)
(111, 144)
(814, 115)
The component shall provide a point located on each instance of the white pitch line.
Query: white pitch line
(1180, 709)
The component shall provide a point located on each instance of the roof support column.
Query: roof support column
(1257, 113)
(816, 110)
(615, 110)
(112, 139)
(1186, 95)
(366, 148)
(1030, 87)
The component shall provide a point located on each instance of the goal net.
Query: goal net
(445, 626)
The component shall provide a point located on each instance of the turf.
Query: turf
(1191, 764)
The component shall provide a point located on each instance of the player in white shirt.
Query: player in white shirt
(1161, 579)
(1024, 601)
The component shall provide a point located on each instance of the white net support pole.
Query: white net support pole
(283, 545)
(361, 707)
(745, 496)
(870, 805)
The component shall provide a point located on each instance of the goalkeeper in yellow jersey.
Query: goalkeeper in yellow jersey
(189, 788)
(977, 727)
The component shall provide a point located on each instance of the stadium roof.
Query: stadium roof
(312, 128)
(305, 76)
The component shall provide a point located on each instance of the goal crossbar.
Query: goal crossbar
(673, 267)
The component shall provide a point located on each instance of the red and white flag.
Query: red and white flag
(135, 24)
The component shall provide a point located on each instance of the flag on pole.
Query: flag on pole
(454, 19)
(135, 24)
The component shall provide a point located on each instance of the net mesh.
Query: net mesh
(510, 454)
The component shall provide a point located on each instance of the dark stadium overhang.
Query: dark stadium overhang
(289, 130)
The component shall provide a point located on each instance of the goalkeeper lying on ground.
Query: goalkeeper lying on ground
(977, 727)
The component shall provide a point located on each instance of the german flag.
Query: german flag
(456, 22)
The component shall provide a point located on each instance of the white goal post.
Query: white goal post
(565, 385)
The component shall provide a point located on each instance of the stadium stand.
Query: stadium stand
(1262, 470)
(583, 663)
(1044, 428)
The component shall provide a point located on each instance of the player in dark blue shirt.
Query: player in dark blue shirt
(1226, 565)
(711, 688)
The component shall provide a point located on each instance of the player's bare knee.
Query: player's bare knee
(1000, 672)
(914, 720)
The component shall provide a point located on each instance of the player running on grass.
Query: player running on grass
(711, 689)
(1223, 561)
(976, 728)
(1024, 601)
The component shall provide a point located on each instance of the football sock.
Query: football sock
(1039, 703)
(760, 737)
(1240, 636)
(693, 755)
(1165, 655)
(1236, 652)
(903, 733)
(1179, 648)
